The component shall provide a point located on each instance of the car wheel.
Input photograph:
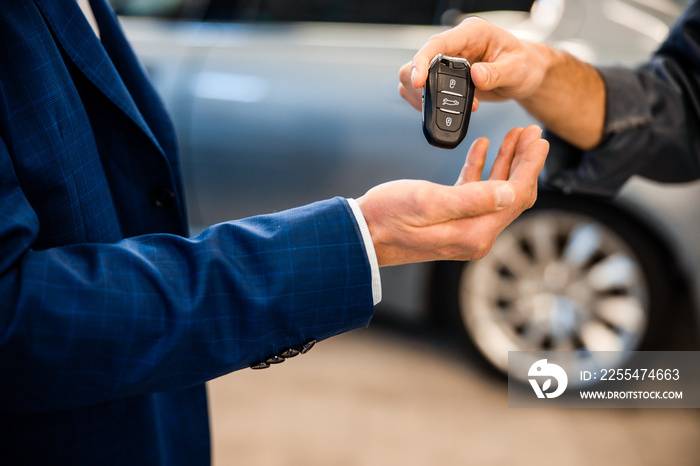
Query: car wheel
(568, 275)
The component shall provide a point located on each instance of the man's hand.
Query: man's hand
(562, 92)
(503, 67)
(418, 221)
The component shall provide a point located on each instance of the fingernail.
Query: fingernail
(413, 74)
(504, 196)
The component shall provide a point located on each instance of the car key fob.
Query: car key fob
(447, 101)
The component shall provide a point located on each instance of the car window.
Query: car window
(351, 11)
(355, 11)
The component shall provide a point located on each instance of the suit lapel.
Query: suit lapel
(80, 44)
(134, 76)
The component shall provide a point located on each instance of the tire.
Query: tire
(571, 274)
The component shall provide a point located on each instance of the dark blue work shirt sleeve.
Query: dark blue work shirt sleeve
(652, 123)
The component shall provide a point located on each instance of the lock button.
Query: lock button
(452, 85)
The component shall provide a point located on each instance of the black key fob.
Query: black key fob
(447, 101)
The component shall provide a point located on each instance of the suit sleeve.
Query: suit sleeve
(87, 323)
(652, 124)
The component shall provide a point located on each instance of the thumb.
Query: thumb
(507, 74)
(483, 76)
(504, 196)
(479, 198)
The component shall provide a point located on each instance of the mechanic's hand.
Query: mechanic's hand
(502, 66)
(418, 221)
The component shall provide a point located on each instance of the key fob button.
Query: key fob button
(453, 84)
(450, 102)
(447, 121)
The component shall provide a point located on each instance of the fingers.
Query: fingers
(530, 155)
(530, 163)
(412, 96)
(502, 66)
(471, 39)
(475, 104)
(502, 165)
(418, 68)
(529, 136)
(474, 164)
(514, 146)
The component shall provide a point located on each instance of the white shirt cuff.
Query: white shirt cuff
(369, 247)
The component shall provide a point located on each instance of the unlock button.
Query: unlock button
(448, 121)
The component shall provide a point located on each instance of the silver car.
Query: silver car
(281, 103)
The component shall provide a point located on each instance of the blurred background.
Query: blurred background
(392, 396)
(279, 103)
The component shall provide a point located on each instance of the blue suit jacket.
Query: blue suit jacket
(111, 320)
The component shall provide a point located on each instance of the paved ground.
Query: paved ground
(386, 397)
